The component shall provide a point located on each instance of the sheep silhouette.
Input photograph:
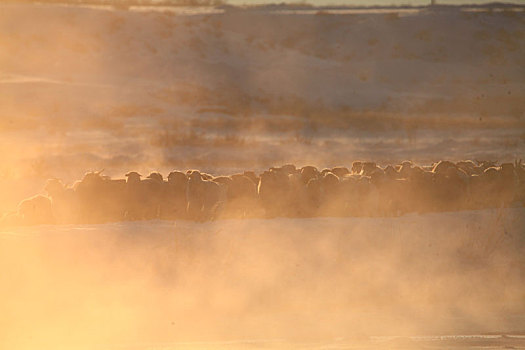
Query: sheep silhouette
(366, 189)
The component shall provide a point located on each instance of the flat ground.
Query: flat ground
(283, 283)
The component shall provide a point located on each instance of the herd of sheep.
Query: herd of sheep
(365, 189)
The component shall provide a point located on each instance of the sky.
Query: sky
(375, 2)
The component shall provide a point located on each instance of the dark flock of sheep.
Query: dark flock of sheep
(365, 189)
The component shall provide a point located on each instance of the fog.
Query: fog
(280, 283)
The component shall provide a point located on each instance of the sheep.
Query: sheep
(313, 196)
(133, 177)
(380, 199)
(88, 192)
(418, 192)
(274, 192)
(492, 188)
(287, 191)
(468, 166)
(520, 171)
(223, 180)
(348, 192)
(203, 197)
(174, 203)
(100, 199)
(308, 172)
(297, 203)
(485, 164)
(395, 193)
(340, 171)
(331, 200)
(241, 196)
(391, 172)
(451, 186)
(241, 186)
(330, 183)
(156, 176)
(224, 183)
(36, 210)
(392, 191)
(207, 176)
(368, 168)
(373, 194)
(506, 185)
(134, 207)
(363, 200)
(153, 185)
(145, 198)
(252, 176)
(520, 175)
(442, 166)
(289, 169)
(357, 166)
(405, 169)
(64, 202)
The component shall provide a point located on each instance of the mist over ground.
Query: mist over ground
(281, 283)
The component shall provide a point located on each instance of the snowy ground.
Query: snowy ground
(415, 282)
(90, 88)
